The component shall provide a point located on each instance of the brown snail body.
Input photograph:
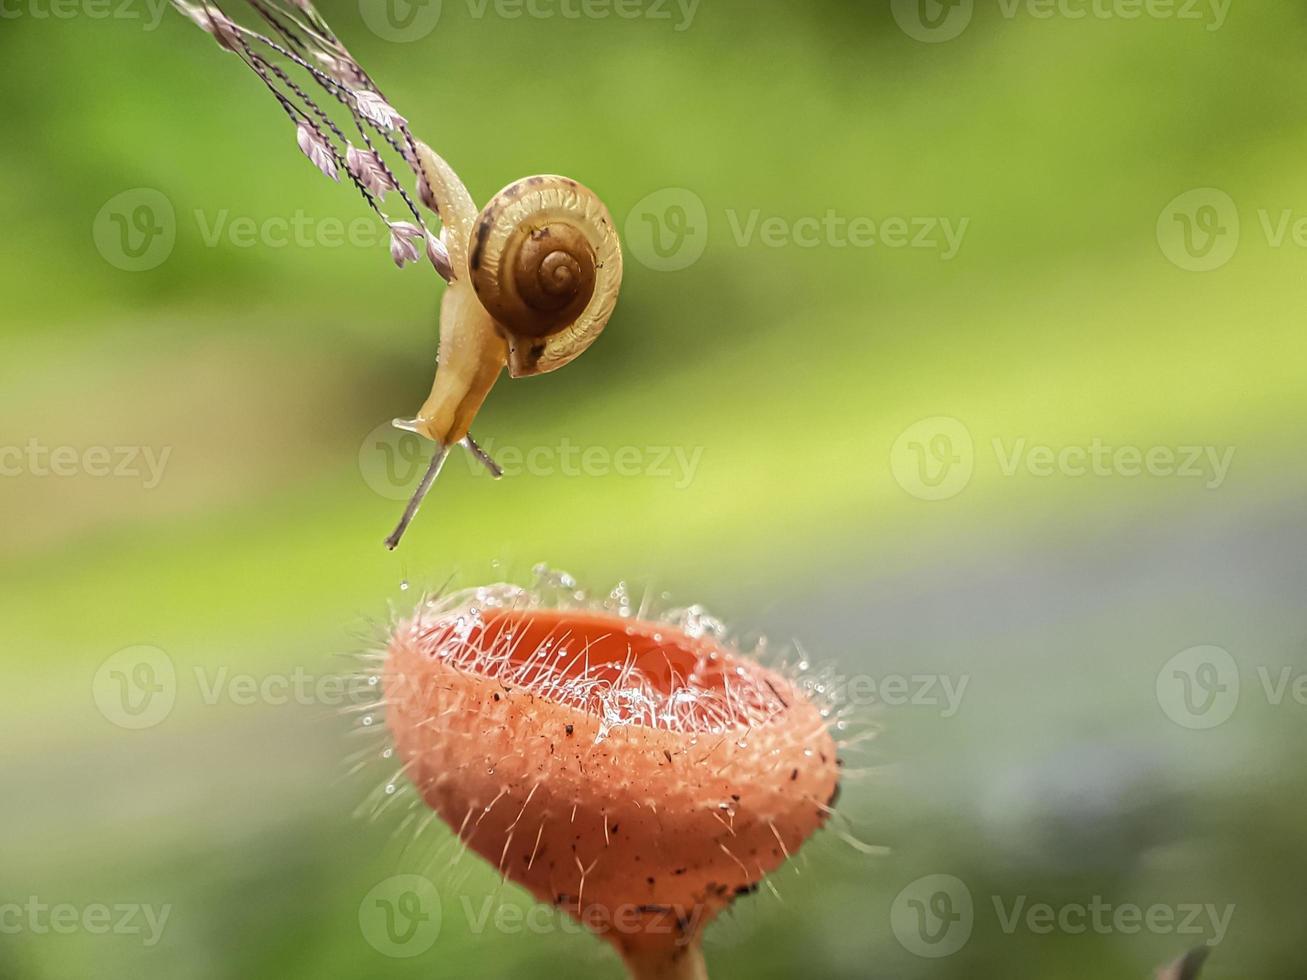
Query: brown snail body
(533, 280)
(533, 277)
(536, 275)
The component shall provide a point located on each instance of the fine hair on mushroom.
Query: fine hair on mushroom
(635, 769)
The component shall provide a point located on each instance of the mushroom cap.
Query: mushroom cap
(637, 776)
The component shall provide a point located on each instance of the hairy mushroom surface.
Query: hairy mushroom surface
(632, 773)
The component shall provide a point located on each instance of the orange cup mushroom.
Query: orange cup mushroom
(630, 772)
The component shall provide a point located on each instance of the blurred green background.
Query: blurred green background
(793, 367)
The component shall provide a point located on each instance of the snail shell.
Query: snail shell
(546, 263)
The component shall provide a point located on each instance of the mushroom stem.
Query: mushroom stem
(678, 963)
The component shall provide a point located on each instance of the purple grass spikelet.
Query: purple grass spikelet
(403, 242)
(369, 170)
(352, 130)
(317, 149)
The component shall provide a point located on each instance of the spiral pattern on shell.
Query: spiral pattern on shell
(546, 263)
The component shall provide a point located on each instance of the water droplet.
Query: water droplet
(390, 788)
(619, 600)
(695, 622)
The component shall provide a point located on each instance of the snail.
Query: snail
(533, 280)
(533, 276)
